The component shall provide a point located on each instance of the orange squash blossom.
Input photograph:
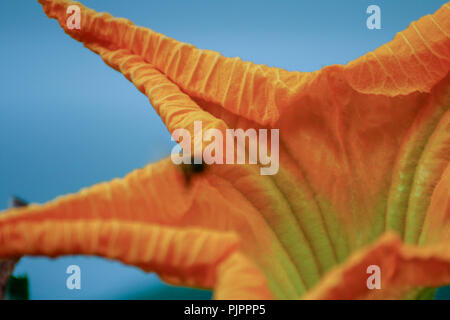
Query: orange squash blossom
(364, 176)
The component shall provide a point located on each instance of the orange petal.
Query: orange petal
(152, 220)
(176, 108)
(137, 197)
(189, 257)
(222, 200)
(242, 88)
(415, 60)
(402, 267)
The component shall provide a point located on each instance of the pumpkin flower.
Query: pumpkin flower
(363, 179)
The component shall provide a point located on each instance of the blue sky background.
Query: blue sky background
(68, 121)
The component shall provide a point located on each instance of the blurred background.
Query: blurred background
(68, 121)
